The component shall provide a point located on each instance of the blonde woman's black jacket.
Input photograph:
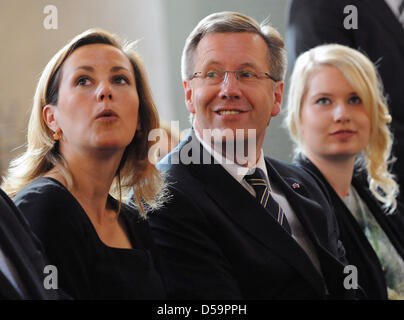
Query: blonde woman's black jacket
(359, 251)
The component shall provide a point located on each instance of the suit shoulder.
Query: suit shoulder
(287, 170)
(178, 174)
(300, 174)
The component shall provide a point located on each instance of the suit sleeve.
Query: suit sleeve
(192, 263)
(315, 22)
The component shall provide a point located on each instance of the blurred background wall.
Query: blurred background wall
(162, 27)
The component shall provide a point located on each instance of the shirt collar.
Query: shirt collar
(235, 170)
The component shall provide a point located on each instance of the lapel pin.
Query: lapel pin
(295, 186)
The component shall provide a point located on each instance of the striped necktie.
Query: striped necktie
(263, 195)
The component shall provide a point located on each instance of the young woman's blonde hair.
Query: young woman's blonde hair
(363, 77)
(42, 153)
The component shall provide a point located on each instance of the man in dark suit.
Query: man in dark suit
(241, 227)
(21, 261)
(371, 26)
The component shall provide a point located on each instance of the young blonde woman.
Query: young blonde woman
(87, 142)
(337, 117)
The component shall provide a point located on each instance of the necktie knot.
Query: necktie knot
(257, 176)
(259, 183)
(263, 194)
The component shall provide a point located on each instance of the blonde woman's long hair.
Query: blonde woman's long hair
(135, 171)
(363, 77)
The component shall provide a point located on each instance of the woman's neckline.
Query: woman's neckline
(122, 215)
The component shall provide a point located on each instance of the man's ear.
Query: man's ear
(188, 96)
(48, 113)
(278, 93)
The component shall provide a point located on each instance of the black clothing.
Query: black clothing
(218, 242)
(24, 250)
(87, 268)
(359, 251)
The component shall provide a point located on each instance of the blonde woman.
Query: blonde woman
(337, 117)
(87, 142)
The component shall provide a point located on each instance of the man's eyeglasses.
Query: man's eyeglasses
(244, 76)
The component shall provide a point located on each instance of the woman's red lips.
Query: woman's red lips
(343, 134)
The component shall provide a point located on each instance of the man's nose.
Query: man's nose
(230, 86)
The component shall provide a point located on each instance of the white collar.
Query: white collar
(235, 170)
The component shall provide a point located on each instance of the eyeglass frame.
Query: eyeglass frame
(236, 74)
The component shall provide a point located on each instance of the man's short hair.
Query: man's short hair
(222, 22)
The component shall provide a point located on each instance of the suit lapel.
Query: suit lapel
(315, 223)
(310, 214)
(240, 207)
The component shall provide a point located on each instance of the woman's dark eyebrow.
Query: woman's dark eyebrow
(88, 68)
(118, 68)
